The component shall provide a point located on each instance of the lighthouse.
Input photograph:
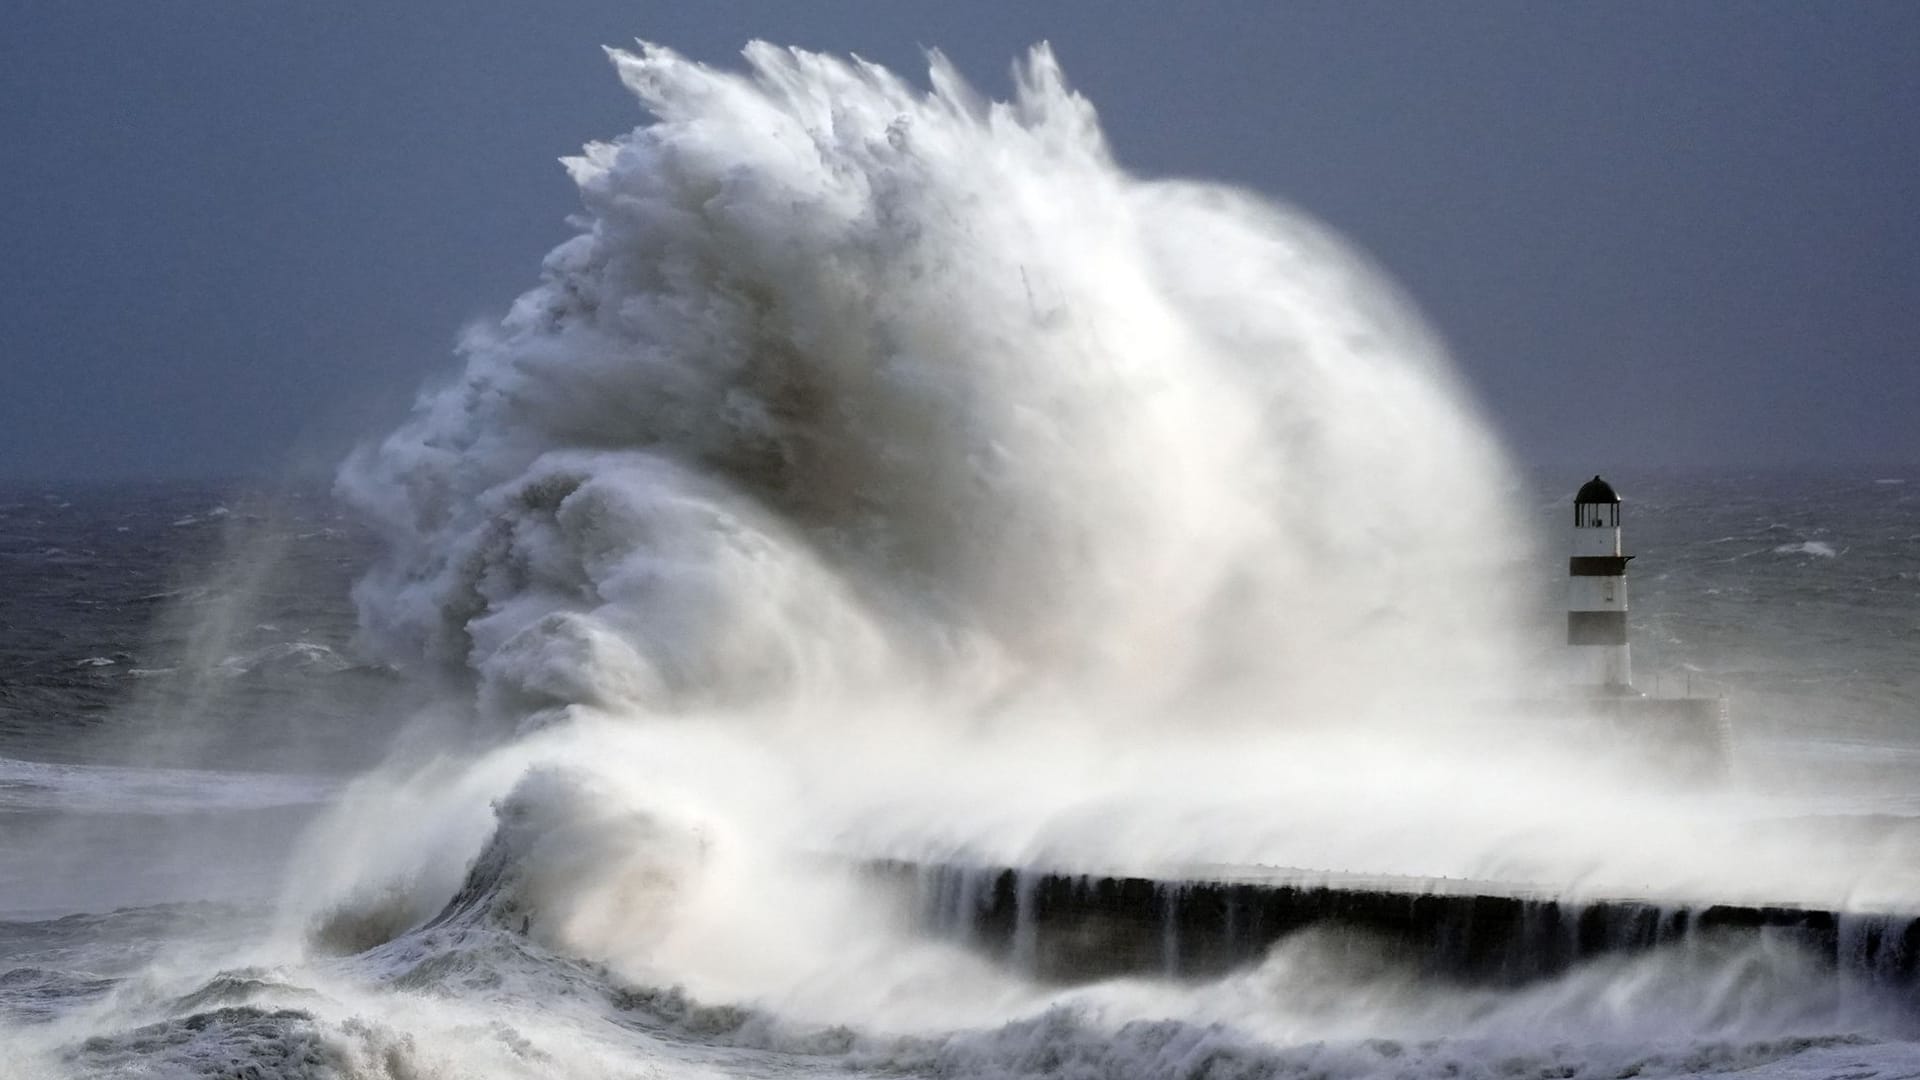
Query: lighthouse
(1597, 594)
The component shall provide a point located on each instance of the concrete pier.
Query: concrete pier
(1063, 927)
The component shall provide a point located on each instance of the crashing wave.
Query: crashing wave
(845, 387)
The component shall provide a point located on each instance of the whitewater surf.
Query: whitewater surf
(883, 471)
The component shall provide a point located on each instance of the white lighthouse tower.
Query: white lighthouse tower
(1597, 594)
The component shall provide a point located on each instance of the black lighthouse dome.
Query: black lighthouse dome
(1595, 490)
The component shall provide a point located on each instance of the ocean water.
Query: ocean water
(885, 473)
(143, 927)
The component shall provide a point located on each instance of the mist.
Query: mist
(885, 472)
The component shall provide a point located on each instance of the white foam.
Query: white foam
(844, 386)
(980, 498)
(888, 472)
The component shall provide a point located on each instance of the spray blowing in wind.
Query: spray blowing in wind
(885, 474)
(898, 450)
(902, 594)
(848, 389)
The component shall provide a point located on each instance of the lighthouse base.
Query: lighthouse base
(1684, 739)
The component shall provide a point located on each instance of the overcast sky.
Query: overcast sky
(232, 233)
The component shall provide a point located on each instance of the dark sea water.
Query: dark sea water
(1800, 592)
(130, 606)
(175, 670)
(180, 695)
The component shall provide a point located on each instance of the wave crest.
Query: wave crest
(843, 384)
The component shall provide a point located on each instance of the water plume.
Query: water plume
(880, 473)
(886, 472)
(846, 390)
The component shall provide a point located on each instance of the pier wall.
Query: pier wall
(1071, 928)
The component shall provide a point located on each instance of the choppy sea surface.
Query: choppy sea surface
(181, 696)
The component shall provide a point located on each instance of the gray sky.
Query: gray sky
(233, 232)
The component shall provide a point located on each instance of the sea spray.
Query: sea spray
(884, 472)
(984, 503)
(875, 456)
(845, 388)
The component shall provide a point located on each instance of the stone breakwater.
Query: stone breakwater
(1068, 927)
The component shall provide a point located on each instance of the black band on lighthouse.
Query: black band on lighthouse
(1598, 565)
(1596, 628)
